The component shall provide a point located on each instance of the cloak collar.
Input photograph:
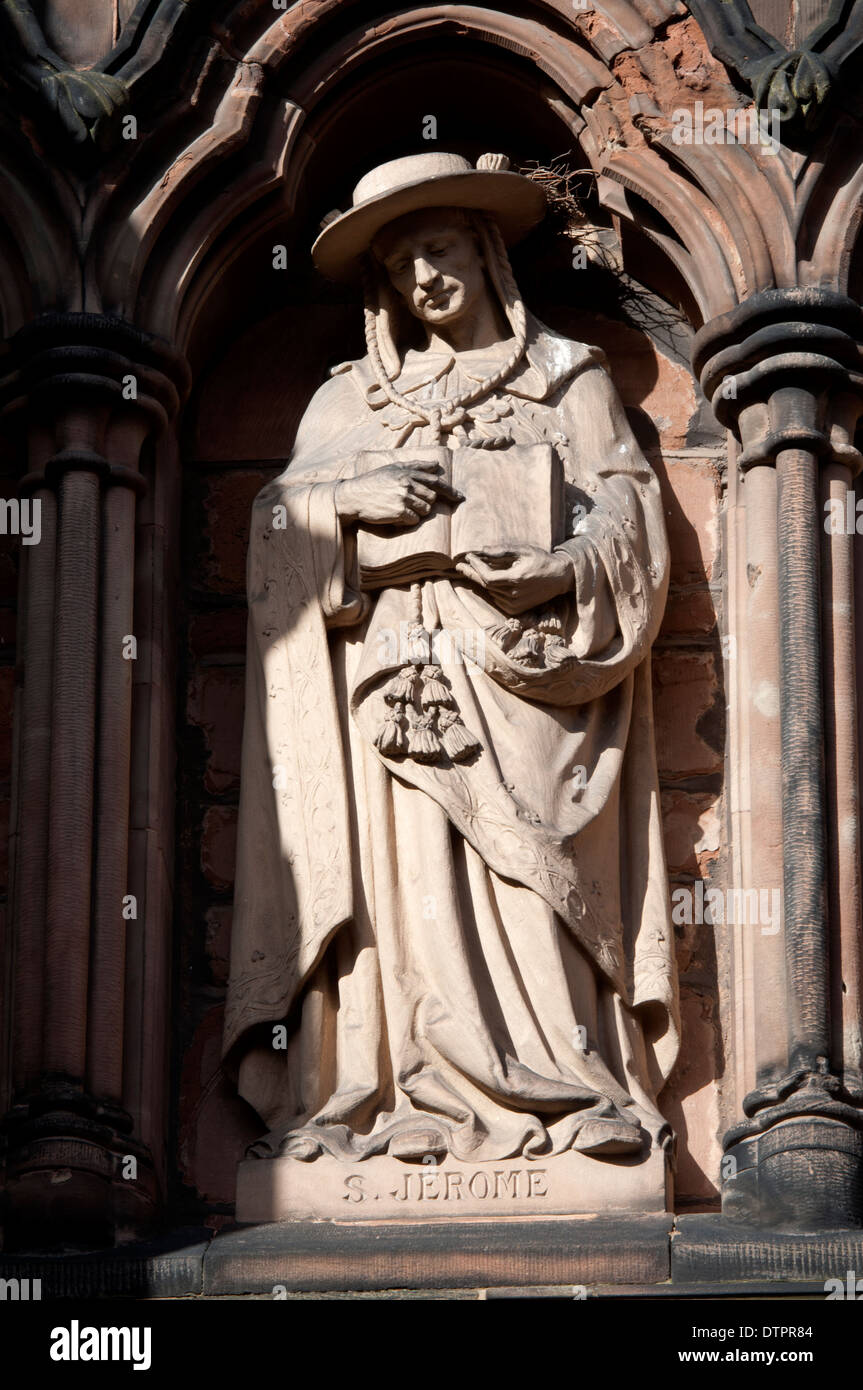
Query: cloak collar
(549, 361)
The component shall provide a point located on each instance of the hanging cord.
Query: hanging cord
(438, 728)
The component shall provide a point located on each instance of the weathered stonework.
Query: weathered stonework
(154, 256)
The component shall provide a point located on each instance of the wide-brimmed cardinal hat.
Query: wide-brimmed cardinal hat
(426, 181)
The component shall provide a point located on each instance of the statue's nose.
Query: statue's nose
(425, 273)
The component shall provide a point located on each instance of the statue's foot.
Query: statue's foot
(301, 1147)
(272, 1145)
(265, 1147)
(414, 1145)
(607, 1137)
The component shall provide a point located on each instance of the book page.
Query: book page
(513, 497)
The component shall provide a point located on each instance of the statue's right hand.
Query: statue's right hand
(396, 495)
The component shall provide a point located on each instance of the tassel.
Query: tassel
(556, 652)
(390, 738)
(458, 742)
(401, 687)
(550, 624)
(434, 692)
(418, 646)
(423, 745)
(507, 634)
(529, 649)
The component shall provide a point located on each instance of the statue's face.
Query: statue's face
(434, 264)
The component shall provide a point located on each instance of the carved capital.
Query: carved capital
(87, 369)
(799, 84)
(81, 105)
(784, 370)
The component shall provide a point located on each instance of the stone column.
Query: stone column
(783, 371)
(89, 393)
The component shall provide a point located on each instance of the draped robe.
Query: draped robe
(474, 957)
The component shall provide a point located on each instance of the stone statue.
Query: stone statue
(451, 939)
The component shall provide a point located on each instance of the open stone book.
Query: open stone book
(512, 496)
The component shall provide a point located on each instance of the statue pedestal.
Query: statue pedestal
(387, 1189)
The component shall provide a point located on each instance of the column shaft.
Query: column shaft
(803, 806)
(72, 764)
(108, 946)
(30, 892)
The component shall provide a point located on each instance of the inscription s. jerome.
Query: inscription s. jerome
(452, 1186)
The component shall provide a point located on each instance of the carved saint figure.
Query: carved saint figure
(451, 929)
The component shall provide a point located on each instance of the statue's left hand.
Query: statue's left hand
(520, 577)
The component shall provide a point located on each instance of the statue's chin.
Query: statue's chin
(441, 314)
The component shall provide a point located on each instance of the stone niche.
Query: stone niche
(262, 347)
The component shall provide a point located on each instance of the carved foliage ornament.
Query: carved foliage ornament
(798, 84)
(83, 102)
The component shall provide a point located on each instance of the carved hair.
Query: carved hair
(380, 313)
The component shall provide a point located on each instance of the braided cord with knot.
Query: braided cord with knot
(445, 415)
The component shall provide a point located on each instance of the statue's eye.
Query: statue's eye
(399, 268)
